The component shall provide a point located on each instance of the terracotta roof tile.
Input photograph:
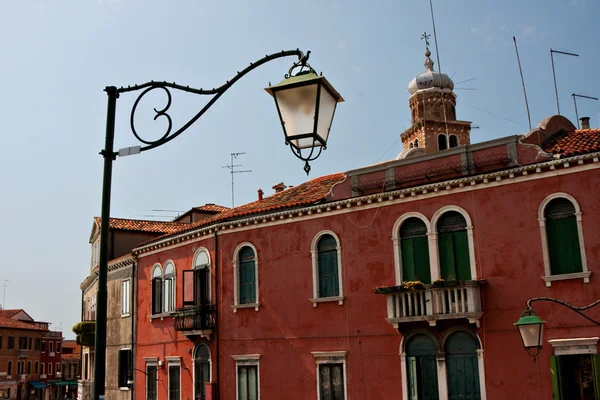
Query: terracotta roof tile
(307, 193)
(573, 143)
(211, 208)
(8, 322)
(9, 313)
(140, 225)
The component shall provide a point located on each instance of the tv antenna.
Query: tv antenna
(4, 295)
(232, 170)
(554, 72)
(575, 95)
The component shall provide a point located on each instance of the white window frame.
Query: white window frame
(236, 276)
(548, 277)
(126, 387)
(434, 256)
(49, 368)
(564, 347)
(244, 361)
(314, 252)
(330, 357)
(173, 361)
(151, 362)
(173, 278)
(196, 266)
(398, 250)
(154, 275)
(42, 368)
(126, 297)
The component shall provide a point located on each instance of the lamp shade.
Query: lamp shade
(531, 329)
(306, 105)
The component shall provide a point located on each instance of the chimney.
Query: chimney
(260, 194)
(279, 187)
(585, 122)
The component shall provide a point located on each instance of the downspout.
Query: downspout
(217, 272)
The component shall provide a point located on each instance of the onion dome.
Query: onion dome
(430, 79)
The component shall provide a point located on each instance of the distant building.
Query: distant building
(70, 368)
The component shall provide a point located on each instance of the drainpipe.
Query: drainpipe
(217, 272)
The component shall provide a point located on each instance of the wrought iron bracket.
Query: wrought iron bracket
(578, 310)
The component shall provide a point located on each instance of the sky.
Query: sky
(58, 55)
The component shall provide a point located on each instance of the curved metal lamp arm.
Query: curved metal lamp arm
(576, 309)
(216, 92)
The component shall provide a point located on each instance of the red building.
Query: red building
(397, 280)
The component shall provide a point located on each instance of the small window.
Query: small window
(30, 343)
(42, 368)
(174, 382)
(37, 367)
(563, 237)
(0, 342)
(125, 365)
(125, 297)
(453, 141)
(51, 347)
(247, 275)
(442, 142)
(411, 145)
(151, 381)
(49, 368)
(247, 382)
(331, 381)
(157, 293)
(38, 343)
(414, 247)
(58, 347)
(169, 288)
(9, 372)
(11, 343)
(416, 142)
(328, 273)
(453, 247)
(43, 346)
(22, 343)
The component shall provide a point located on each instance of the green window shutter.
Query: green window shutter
(328, 274)
(554, 375)
(415, 251)
(461, 255)
(408, 260)
(411, 375)
(247, 276)
(421, 254)
(596, 365)
(446, 252)
(563, 246)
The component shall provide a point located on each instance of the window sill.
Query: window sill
(339, 299)
(256, 306)
(125, 315)
(161, 316)
(124, 389)
(577, 275)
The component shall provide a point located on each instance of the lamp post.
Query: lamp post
(531, 326)
(305, 102)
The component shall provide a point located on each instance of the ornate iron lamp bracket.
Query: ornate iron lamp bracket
(578, 310)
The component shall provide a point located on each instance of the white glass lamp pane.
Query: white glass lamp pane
(327, 105)
(297, 108)
(305, 143)
(201, 259)
(531, 334)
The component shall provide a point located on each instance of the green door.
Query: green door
(421, 368)
(462, 369)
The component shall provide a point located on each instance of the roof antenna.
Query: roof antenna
(233, 171)
(523, 82)
(4, 295)
(575, 103)
(437, 55)
(554, 72)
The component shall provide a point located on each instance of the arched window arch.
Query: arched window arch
(245, 268)
(169, 287)
(462, 366)
(157, 289)
(561, 228)
(201, 278)
(442, 142)
(416, 142)
(414, 248)
(453, 141)
(326, 268)
(421, 367)
(202, 369)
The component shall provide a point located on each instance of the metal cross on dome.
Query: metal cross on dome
(426, 37)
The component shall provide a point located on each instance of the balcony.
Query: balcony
(431, 303)
(195, 320)
(22, 353)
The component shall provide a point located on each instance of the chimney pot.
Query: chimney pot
(280, 187)
(585, 122)
(260, 194)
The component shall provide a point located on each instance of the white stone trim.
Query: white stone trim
(396, 240)
(315, 269)
(236, 277)
(481, 364)
(548, 277)
(575, 346)
(434, 220)
(243, 361)
(330, 357)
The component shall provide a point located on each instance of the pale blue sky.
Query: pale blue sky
(57, 56)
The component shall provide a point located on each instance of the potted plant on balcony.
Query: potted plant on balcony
(413, 285)
(439, 283)
(85, 331)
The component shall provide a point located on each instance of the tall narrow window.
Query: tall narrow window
(453, 141)
(174, 382)
(442, 142)
(462, 367)
(11, 343)
(51, 347)
(331, 381)
(421, 368)
(201, 369)
(157, 294)
(38, 344)
(247, 276)
(49, 368)
(23, 343)
(43, 346)
(125, 297)
(327, 262)
(37, 367)
(9, 368)
(453, 247)
(247, 382)
(202, 279)
(416, 142)
(169, 291)
(125, 368)
(563, 237)
(151, 381)
(42, 368)
(31, 344)
(414, 247)
(0, 342)
(29, 367)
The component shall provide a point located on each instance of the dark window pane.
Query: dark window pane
(331, 381)
(453, 141)
(442, 142)
(174, 391)
(151, 382)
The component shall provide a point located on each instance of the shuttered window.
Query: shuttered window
(462, 367)
(421, 368)
(575, 377)
(453, 247)
(331, 381)
(414, 248)
(157, 296)
(247, 275)
(328, 267)
(563, 237)
(248, 382)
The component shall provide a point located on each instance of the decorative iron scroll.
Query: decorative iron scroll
(194, 318)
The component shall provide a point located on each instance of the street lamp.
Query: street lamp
(299, 98)
(531, 326)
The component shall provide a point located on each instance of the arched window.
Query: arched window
(328, 266)
(201, 369)
(202, 278)
(421, 368)
(247, 275)
(453, 141)
(462, 369)
(442, 142)
(414, 248)
(563, 237)
(416, 142)
(411, 145)
(169, 287)
(157, 292)
(453, 247)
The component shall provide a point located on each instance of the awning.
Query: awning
(59, 383)
(37, 384)
(72, 383)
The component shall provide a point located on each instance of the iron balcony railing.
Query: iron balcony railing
(434, 302)
(194, 318)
